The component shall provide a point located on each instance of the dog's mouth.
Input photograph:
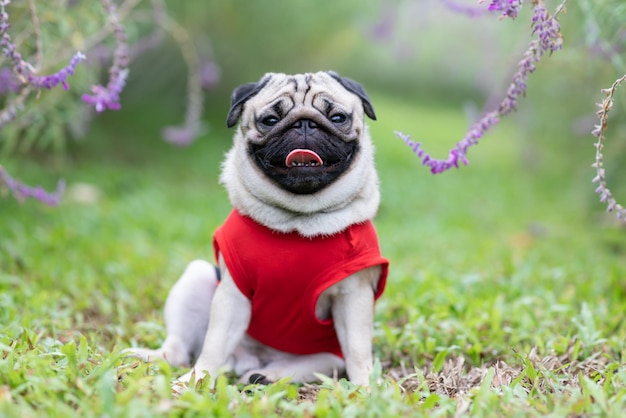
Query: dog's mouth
(304, 169)
(303, 158)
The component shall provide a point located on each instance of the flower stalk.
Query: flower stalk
(108, 97)
(188, 132)
(24, 71)
(599, 130)
(22, 191)
(546, 28)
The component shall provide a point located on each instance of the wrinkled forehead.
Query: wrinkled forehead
(319, 90)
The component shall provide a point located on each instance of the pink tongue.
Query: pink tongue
(303, 157)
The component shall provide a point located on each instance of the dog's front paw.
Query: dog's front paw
(144, 354)
(172, 351)
(148, 355)
(258, 377)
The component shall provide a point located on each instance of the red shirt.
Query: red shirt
(283, 275)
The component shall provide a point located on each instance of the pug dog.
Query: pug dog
(299, 264)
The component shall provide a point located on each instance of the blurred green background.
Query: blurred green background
(418, 52)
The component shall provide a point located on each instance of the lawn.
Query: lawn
(506, 294)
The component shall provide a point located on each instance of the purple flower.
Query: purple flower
(508, 8)
(60, 77)
(547, 29)
(181, 135)
(22, 191)
(456, 154)
(23, 69)
(20, 67)
(107, 97)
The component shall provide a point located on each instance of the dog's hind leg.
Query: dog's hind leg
(298, 368)
(186, 314)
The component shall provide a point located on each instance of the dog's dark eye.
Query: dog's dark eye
(269, 120)
(338, 118)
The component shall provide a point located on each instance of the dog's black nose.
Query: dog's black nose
(304, 125)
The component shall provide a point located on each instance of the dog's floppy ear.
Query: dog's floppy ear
(240, 95)
(356, 88)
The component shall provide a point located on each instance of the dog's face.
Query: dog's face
(301, 131)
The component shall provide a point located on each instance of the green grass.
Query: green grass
(506, 294)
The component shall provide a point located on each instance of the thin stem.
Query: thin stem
(187, 133)
(599, 130)
(549, 39)
(472, 11)
(13, 107)
(97, 38)
(36, 32)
